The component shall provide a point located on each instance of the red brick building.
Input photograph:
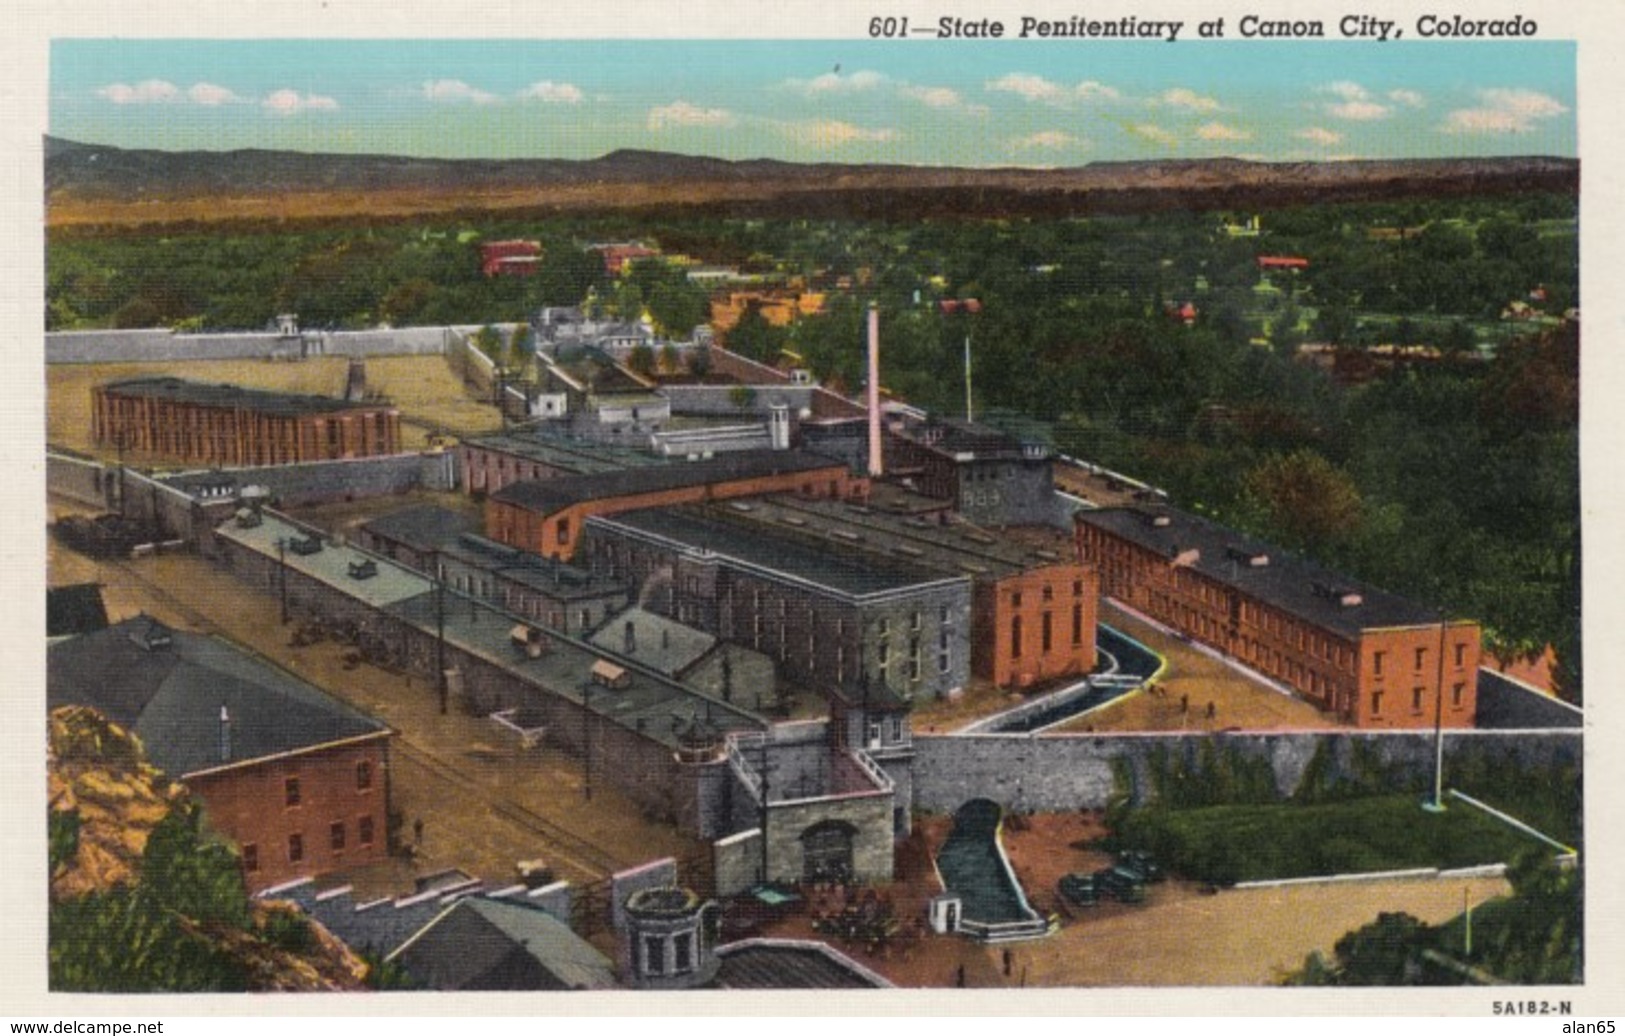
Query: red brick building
(297, 779)
(510, 258)
(228, 426)
(546, 516)
(1373, 659)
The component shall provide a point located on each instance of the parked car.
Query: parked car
(1124, 884)
(1080, 889)
(1142, 861)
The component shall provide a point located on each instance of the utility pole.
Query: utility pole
(1437, 805)
(282, 573)
(586, 737)
(440, 633)
(765, 738)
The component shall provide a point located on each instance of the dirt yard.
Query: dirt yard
(424, 387)
(1179, 937)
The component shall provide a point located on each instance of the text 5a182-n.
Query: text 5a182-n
(888, 28)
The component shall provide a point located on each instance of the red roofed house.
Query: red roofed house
(513, 258)
(1282, 262)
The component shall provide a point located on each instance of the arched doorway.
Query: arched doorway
(826, 851)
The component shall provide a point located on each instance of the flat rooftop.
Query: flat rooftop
(1294, 585)
(232, 397)
(957, 548)
(552, 494)
(578, 456)
(776, 551)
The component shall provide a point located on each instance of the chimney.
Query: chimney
(778, 426)
(631, 638)
(225, 733)
(874, 390)
(665, 639)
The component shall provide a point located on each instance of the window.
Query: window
(1416, 699)
(654, 955)
(945, 615)
(561, 530)
(914, 658)
(1456, 694)
(290, 791)
(914, 622)
(683, 951)
(363, 830)
(1421, 658)
(335, 836)
(873, 733)
(1461, 655)
(1049, 594)
(1045, 633)
(363, 775)
(1376, 703)
(1376, 662)
(1015, 636)
(1015, 600)
(897, 728)
(296, 848)
(1077, 588)
(251, 858)
(1077, 624)
(885, 627)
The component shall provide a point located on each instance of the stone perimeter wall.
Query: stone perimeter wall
(1066, 772)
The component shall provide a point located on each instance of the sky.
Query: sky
(960, 103)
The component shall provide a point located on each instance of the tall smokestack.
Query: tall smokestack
(225, 734)
(874, 390)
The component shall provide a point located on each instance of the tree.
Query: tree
(1310, 503)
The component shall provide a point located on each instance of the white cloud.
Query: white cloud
(933, 96)
(1047, 140)
(210, 95)
(552, 93)
(1347, 90)
(1504, 111)
(1219, 131)
(1033, 88)
(455, 90)
(682, 113)
(292, 102)
(1319, 135)
(825, 133)
(835, 83)
(1151, 131)
(1409, 98)
(1089, 90)
(1180, 97)
(149, 91)
(1358, 111)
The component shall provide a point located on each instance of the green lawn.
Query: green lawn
(1225, 844)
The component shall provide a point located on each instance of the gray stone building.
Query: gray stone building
(994, 478)
(827, 616)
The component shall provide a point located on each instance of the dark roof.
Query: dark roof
(424, 527)
(1289, 583)
(763, 964)
(981, 441)
(168, 687)
(825, 564)
(490, 944)
(547, 495)
(232, 396)
(557, 579)
(74, 609)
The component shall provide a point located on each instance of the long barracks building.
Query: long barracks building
(1370, 657)
(547, 515)
(227, 426)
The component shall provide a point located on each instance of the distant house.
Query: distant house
(295, 777)
(510, 258)
(1282, 262)
(493, 944)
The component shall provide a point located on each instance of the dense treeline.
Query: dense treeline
(1454, 480)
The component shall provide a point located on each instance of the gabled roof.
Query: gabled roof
(286, 404)
(786, 964)
(169, 688)
(492, 944)
(1262, 571)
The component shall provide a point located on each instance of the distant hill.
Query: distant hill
(87, 183)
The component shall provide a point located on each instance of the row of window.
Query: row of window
(337, 841)
(1379, 658)
(1458, 694)
(1046, 635)
(293, 792)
